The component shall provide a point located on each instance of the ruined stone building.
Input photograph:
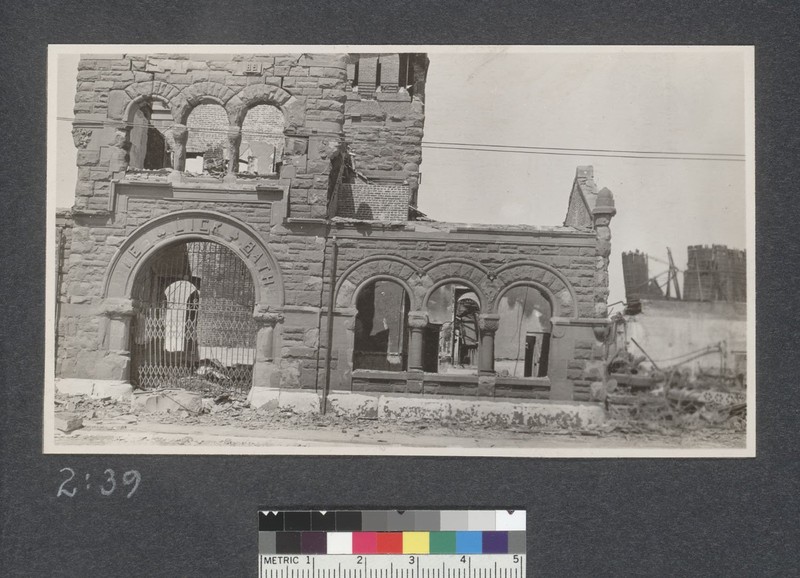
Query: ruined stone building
(252, 219)
(704, 326)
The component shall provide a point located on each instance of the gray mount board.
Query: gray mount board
(198, 515)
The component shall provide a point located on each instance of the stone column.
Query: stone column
(180, 134)
(234, 140)
(264, 369)
(116, 364)
(488, 324)
(119, 155)
(417, 322)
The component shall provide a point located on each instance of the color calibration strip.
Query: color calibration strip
(392, 532)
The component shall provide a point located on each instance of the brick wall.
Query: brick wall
(370, 202)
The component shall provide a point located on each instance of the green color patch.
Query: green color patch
(443, 542)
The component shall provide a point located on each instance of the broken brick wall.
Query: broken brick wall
(370, 202)
(384, 122)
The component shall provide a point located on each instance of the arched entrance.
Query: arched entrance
(194, 322)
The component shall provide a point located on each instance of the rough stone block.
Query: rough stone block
(263, 398)
(299, 401)
(167, 400)
(353, 405)
(67, 422)
(97, 388)
(413, 408)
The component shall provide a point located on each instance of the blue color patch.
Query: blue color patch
(469, 542)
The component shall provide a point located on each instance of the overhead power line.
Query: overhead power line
(584, 154)
(470, 144)
(518, 149)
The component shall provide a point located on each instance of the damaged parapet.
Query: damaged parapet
(715, 273)
(589, 209)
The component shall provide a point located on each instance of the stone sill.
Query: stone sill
(200, 189)
(450, 378)
(378, 375)
(531, 383)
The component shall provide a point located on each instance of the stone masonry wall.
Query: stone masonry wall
(422, 260)
(286, 213)
(309, 88)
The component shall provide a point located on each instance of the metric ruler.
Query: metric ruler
(391, 543)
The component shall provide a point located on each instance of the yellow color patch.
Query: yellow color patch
(416, 543)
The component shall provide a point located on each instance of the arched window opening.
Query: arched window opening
(453, 311)
(522, 341)
(194, 328)
(381, 327)
(150, 139)
(207, 144)
(261, 151)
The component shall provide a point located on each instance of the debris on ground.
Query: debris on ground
(67, 422)
(671, 399)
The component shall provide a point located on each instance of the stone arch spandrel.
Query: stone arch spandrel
(201, 93)
(292, 108)
(459, 270)
(545, 278)
(147, 240)
(139, 92)
(387, 267)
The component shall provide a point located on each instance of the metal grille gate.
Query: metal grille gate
(194, 327)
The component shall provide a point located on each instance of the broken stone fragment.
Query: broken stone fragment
(167, 400)
(67, 422)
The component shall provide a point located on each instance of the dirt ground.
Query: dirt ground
(230, 423)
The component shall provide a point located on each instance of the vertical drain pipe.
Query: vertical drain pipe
(331, 303)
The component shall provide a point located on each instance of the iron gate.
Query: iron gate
(194, 327)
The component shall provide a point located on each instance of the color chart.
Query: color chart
(391, 543)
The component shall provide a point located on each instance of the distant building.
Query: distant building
(706, 326)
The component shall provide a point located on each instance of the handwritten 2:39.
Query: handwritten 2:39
(70, 486)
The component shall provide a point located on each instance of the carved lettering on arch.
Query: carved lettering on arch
(212, 227)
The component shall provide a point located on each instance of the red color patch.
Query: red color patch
(390, 543)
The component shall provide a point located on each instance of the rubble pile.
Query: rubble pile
(642, 398)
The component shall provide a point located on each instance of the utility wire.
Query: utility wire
(557, 151)
(584, 149)
(580, 154)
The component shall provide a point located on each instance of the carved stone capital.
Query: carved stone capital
(180, 133)
(417, 319)
(81, 137)
(489, 322)
(119, 308)
(234, 134)
(266, 317)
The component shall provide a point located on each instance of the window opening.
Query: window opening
(381, 327)
(522, 341)
(150, 139)
(207, 144)
(453, 312)
(261, 149)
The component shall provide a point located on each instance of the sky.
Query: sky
(674, 100)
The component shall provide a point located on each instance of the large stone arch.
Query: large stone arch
(545, 278)
(147, 240)
(463, 271)
(202, 93)
(255, 94)
(167, 93)
(388, 267)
